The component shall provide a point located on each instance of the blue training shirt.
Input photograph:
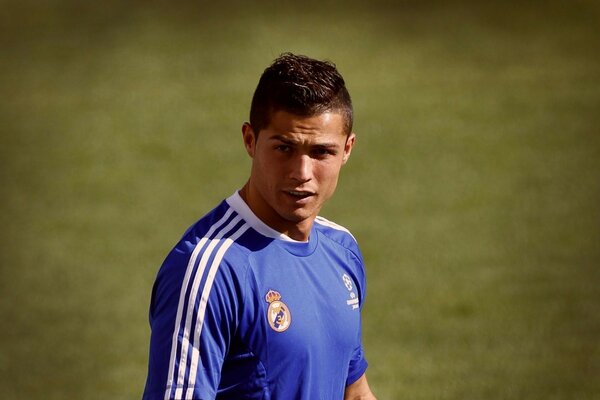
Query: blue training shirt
(241, 311)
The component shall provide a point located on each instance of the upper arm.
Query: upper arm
(358, 363)
(193, 317)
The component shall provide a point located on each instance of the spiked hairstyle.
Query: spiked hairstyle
(300, 85)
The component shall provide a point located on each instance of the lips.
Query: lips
(299, 194)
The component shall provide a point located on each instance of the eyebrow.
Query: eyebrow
(292, 142)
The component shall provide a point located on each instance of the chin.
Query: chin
(292, 215)
(298, 217)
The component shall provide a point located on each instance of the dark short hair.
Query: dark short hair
(300, 85)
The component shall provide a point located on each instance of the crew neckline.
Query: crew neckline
(236, 202)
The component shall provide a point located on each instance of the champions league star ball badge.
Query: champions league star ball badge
(278, 314)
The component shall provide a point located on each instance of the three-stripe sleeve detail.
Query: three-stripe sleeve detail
(188, 324)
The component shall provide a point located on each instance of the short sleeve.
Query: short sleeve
(193, 317)
(358, 364)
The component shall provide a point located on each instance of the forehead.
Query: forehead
(327, 124)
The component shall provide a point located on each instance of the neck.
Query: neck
(298, 231)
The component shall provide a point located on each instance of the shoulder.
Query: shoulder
(211, 241)
(215, 223)
(337, 234)
(333, 230)
(338, 239)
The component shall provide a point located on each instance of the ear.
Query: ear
(249, 139)
(348, 147)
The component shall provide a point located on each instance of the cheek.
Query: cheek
(267, 171)
(261, 161)
(328, 175)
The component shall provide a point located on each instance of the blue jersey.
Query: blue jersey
(241, 311)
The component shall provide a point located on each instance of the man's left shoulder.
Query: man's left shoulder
(336, 232)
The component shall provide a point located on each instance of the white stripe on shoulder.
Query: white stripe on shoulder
(325, 222)
(184, 287)
(193, 295)
(202, 307)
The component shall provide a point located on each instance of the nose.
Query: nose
(301, 168)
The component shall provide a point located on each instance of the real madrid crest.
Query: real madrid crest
(278, 313)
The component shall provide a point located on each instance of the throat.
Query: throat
(295, 227)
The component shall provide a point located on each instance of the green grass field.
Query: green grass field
(474, 188)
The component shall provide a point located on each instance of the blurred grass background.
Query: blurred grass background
(474, 188)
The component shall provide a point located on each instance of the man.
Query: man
(261, 298)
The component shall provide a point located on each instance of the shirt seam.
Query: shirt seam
(247, 297)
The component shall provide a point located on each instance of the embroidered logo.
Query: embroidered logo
(278, 313)
(347, 281)
(353, 302)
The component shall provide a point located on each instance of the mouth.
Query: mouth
(299, 194)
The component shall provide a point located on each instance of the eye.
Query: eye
(321, 152)
(284, 148)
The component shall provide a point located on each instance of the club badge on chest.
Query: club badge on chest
(278, 313)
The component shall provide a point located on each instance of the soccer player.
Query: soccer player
(261, 298)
